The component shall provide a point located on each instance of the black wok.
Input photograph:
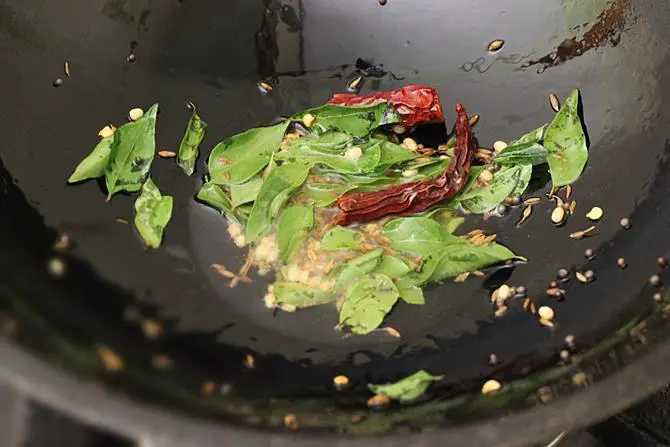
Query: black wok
(190, 384)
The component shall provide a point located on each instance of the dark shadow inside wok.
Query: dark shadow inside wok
(112, 283)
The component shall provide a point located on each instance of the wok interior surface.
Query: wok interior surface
(214, 54)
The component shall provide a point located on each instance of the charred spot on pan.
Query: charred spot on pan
(607, 30)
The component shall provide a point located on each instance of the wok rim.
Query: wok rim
(45, 384)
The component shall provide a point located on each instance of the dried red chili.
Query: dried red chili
(415, 103)
(415, 197)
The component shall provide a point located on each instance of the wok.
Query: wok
(190, 385)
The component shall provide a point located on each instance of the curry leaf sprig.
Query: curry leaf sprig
(124, 159)
(190, 144)
(561, 144)
(265, 175)
(266, 179)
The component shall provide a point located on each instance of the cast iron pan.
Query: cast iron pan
(214, 53)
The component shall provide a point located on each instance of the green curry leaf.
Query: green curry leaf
(392, 266)
(152, 214)
(457, 259)
(407, 389)
(534, 136)
(451, 260)
(274, 193)
(357, 268)
(215, 196)
(479, 198)
(419, 235)
(524, 180)
(131, 154)
(299, 295)
(394, 153)
(305, 152)
(566, 142)
(240, 157)
(323, 194)
(340, 238)
(419, 278)
(411, 294)
(189, 147)
(93, 166)
(447, 218)
(294, 223)
(355, 121)
(246, 192)
(367, 303)
(522, 153)
(329, 140)
(380, 179)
